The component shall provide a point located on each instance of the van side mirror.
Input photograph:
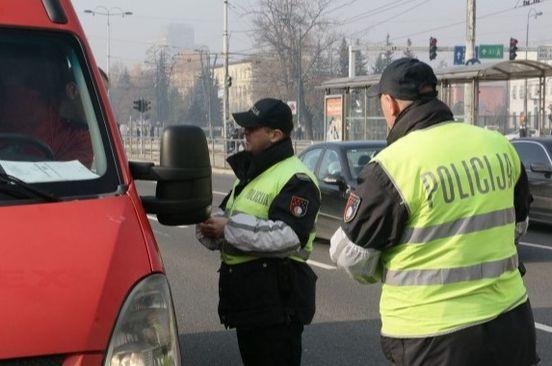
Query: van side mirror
(336, 180)
(541, 168)
(183, 194)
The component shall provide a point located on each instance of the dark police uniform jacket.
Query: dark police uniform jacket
(271, 290)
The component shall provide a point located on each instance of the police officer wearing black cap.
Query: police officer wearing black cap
(265, 233)
(434, 218)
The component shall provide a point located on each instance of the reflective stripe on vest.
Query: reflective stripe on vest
(464, 225)
(456, 262)
(478, 271)
(264, 188)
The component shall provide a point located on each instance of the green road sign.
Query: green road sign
(491, 51)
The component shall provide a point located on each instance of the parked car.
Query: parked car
(337, 166)
(82, 281)
(531, 132)
(536, 155)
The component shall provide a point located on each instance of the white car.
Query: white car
(531, 132)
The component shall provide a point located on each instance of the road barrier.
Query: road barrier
(147, 148)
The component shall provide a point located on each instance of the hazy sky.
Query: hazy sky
(417, 19)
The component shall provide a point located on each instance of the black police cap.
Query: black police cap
(405, 79)
(267, 112)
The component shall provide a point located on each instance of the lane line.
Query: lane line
(220, 193)
(543, 327)
(321, 265)
(535, 245)
(330, 216)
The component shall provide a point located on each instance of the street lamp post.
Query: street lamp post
(296, 34)
(108, 12)
(532, 12)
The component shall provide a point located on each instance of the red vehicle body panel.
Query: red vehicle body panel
(66, 268)
(62, 289)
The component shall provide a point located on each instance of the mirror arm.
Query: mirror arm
(149, 171)
(168, 207)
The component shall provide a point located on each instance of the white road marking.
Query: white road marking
(330, 216)
(535, 245)
(219, 193)
(543, 327)
(321, 265)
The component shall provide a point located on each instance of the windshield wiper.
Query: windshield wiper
(16, 182)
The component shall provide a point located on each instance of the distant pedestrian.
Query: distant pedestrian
(522, 125)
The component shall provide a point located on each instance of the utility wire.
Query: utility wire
(458, 23)
(392, 17)
(381, 9)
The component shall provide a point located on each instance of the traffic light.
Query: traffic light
(432, 48)
(513, 48)
(229, 81)
(137, 105)
(146, 105)
(142, 105)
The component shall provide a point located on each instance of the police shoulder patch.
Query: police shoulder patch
(351, 208)
(298, 206)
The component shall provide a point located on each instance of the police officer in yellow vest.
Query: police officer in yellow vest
(434, 219)
(265, 235)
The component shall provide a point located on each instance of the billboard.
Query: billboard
(333, 117)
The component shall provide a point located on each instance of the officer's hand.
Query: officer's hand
(213, 227)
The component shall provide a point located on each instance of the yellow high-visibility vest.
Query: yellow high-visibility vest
(456, 263)
(257, 196)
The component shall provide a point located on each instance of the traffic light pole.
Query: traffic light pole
(225, 100)
(535, 14)
(141, 133)
(469, 110)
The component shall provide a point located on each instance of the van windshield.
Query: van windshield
(52, 131)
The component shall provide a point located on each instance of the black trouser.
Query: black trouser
(276, 345)
(508, 340)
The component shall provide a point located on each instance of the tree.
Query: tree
(408, 52)
(360, 66)
(343, 66)
(162, 86)
(384, 58)
(297, 41)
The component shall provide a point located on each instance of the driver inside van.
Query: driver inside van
(39, 101)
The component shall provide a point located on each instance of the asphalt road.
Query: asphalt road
(345, 330)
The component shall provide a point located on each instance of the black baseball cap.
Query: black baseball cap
(267, 112)
(404, 78)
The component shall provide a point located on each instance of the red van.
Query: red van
(81, 277)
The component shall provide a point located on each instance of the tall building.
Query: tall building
(241, 93)
(180, 36)
(186, 70)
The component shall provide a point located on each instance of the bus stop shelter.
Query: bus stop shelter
(495, 87)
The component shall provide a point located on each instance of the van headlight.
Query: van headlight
(145, 333)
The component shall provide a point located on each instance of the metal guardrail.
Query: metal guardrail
(147, 148)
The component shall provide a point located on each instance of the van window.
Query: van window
(52, 131)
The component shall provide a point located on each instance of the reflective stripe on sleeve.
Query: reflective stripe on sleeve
(228, 248)
(424, 277)
(464, 225)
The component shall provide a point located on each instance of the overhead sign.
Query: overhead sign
(460, 54)
(544, 53)
(491, 51)
(293, 106)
